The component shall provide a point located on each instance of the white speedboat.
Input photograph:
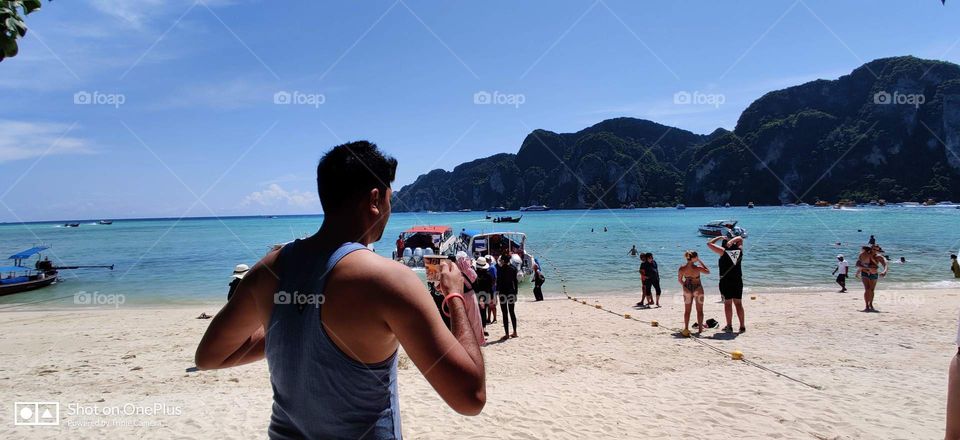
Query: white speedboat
(478, 244)
(719, 228)
(424, 240)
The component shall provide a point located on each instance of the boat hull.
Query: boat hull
(26, 286)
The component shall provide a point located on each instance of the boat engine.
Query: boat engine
(407, 256)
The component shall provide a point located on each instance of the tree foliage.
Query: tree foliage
(12, 26)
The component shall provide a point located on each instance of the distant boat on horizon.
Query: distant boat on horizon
(105, 222)
(535, 208)
(681, 206)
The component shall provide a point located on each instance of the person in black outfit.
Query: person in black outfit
(483, 287)
(238, 273)
(538, 280)
(507, 294)
(651, 278)
(873, 240)
(731, 277)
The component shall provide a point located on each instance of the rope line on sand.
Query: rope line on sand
(563, 284)
(703, 343)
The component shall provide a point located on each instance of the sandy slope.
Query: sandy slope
(575, 372)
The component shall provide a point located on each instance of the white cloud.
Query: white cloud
(136, 13)
(276, 196)
(25, 140)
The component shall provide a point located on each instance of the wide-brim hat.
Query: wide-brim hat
(240, 270)
(482, 263)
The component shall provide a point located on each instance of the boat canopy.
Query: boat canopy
(428, 230)
(28, 253)
(722, 223)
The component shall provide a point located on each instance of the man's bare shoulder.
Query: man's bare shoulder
(374, 273)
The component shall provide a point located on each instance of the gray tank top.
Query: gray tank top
(319, 391)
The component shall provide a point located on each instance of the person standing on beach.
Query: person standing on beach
(731, 278)
(868, 270)
(953, 394)
(507, 294)
(652, 272)
(844, 269)
(538, 280)
(954, 266)
(238, 272)
(483, 286)
(492, 264)
(689, 277)
(643, 283)
(329, 316)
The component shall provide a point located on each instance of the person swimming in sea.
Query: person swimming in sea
(689, 278)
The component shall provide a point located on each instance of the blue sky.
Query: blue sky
(186, 124)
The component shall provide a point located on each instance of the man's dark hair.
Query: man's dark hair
(350, 171)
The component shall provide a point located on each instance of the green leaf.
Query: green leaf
(8, 46)
(31, 5)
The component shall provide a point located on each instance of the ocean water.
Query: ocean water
(169, 261)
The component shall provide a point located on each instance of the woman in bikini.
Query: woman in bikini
(689, 278)
(868, 270)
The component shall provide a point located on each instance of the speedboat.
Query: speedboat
(497, 209)
(424, 240)
(71, 225)
(719, 228)
(479, 244)
(109, 222)
(681, 206)
(465, 210)
(750, 205)
(535, 208)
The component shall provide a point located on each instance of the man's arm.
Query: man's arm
(449, 359)
(712, 244)
(236, 335)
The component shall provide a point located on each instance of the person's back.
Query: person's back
(306, 364)
(507, 279)
(329, 317)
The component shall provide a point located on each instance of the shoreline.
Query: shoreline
(525, 295)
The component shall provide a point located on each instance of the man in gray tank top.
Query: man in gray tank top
(329, 317)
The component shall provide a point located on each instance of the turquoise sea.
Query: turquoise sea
(170, 261)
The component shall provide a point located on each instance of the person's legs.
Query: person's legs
(728, 313)
(871, 290)
(656, 286)
(738, 303)
(953, 399)
(866, 292)
(698, 297)
(687, 305)
(493, 308)
(506, 318)
(511, 306)
(647, 298)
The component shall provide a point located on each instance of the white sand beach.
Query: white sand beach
(575, 372)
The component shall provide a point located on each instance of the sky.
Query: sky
(172, 108)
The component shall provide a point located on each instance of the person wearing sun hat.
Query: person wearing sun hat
(238, 273)
(844, 269)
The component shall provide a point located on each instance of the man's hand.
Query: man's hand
(451, 280)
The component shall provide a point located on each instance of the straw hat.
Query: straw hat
(240, 270)
(482, 263)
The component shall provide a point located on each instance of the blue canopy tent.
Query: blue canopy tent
(28, 253)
